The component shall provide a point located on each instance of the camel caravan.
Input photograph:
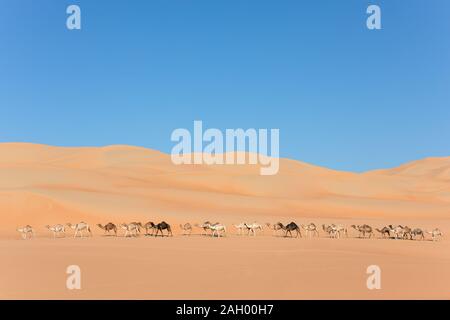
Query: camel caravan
(252, 229)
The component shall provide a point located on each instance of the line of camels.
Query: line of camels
(335, 231)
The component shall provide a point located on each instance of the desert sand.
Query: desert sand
(42, 185)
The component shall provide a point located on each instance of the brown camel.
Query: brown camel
(108, 228)
(418, 233)
(149, 226)
(407, 233)
(363, 230)
(385, 232)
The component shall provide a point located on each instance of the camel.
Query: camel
(130, 228)
(108, 228)
(138, 226)
(205, 226)
(241, 227)
(149, 226)
(363, 230)
(417, 233)
(334, 231)
(217, 229)
(187, 228)
(401, 232)
(292, 227)
(341, 228)
(26, 232)
(163, 226)
(80, 227)
(435, 234)
(310, 229)
(385, 232)
(253, 227)
(57, 229)
(407, 233)
(275, 227)
(327, 228)
(396, 231)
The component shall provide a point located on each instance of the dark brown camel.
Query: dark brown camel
(163, 226)
(292, 227)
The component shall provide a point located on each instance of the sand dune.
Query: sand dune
(42, 185)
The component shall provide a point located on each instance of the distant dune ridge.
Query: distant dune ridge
(42, 184)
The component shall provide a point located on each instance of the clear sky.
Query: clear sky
(342, 96)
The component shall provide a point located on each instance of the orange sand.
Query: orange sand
(42, 185)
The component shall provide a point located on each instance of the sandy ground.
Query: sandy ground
(42, 185)
(234, 267)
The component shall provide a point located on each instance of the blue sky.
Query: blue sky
(342, 96)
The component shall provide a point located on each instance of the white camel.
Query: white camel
(241, 227)
(57, 229)
(435, 234)
(217, 229)
(26, 232)
(79, 228)
(131, 228)
(341, 229)
(187, 228)
(310, 229)
(253, 227)
(331, 229)
(397, 231)
(205, 226)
